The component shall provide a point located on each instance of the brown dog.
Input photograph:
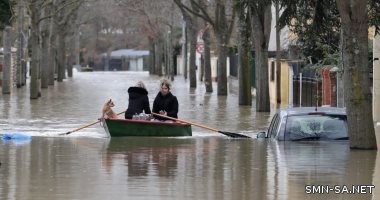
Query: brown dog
(107, 111)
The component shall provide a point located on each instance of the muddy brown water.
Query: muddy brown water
(208, 165)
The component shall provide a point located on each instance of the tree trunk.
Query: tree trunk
(222, 66)
(222, 39)
(356, 74)
(77, 50)
(44, 59)
(61, 56)
(7, 68)
(171, 55)
(207, 61)
(35, 81)
(151, 56)
(184, 49)
(261, 30)
(201, 69)
(244, 64)
(107, 61)
(20, 50)
(35, 67)
(262, 86)
(278, 56)
(159, 55)
(69, 65)
(193, 44)
(45, 36)
(167, 55)
(52, 51)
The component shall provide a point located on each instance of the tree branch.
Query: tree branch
(186, 8)
(202, 8)
(231, 25)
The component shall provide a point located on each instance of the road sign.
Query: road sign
(200, 47)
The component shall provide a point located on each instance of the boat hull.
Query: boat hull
(125, 127)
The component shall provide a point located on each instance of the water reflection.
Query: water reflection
(213, 167)
(300, 164)
(143, 154)
(245, 169)
(180, 168)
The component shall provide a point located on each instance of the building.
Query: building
(126, 60)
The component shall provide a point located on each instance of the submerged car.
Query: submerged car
(308, 123)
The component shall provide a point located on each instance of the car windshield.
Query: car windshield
(316, 127)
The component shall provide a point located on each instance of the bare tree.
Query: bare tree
(222, 26)
(192, 27)
(66, 11)
(158, 22)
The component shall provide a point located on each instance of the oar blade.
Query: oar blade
(65, 133)
(233, 135)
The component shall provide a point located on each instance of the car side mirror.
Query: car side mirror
(261, 134)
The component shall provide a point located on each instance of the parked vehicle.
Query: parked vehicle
(308, 123)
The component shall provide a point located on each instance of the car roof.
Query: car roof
(310, 110)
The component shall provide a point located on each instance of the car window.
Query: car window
(274, 126)
(316, 127)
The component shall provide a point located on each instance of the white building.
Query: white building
(127, 60)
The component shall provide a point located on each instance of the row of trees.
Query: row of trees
(338, 25)
(41, 28)
(309, 20)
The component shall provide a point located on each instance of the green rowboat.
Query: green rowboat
(126, 127)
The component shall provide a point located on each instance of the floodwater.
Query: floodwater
(87, 165)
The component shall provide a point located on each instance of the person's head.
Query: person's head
(165, 87)
(140, 84)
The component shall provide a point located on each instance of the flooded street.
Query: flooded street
(78, 101)
(208, 165)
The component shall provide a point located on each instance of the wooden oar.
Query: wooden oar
(85, 126)
(234, 135)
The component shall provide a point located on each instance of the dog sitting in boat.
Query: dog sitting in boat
(107, 111)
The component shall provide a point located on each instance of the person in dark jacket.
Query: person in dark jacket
(165, 102)
(138, 100)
